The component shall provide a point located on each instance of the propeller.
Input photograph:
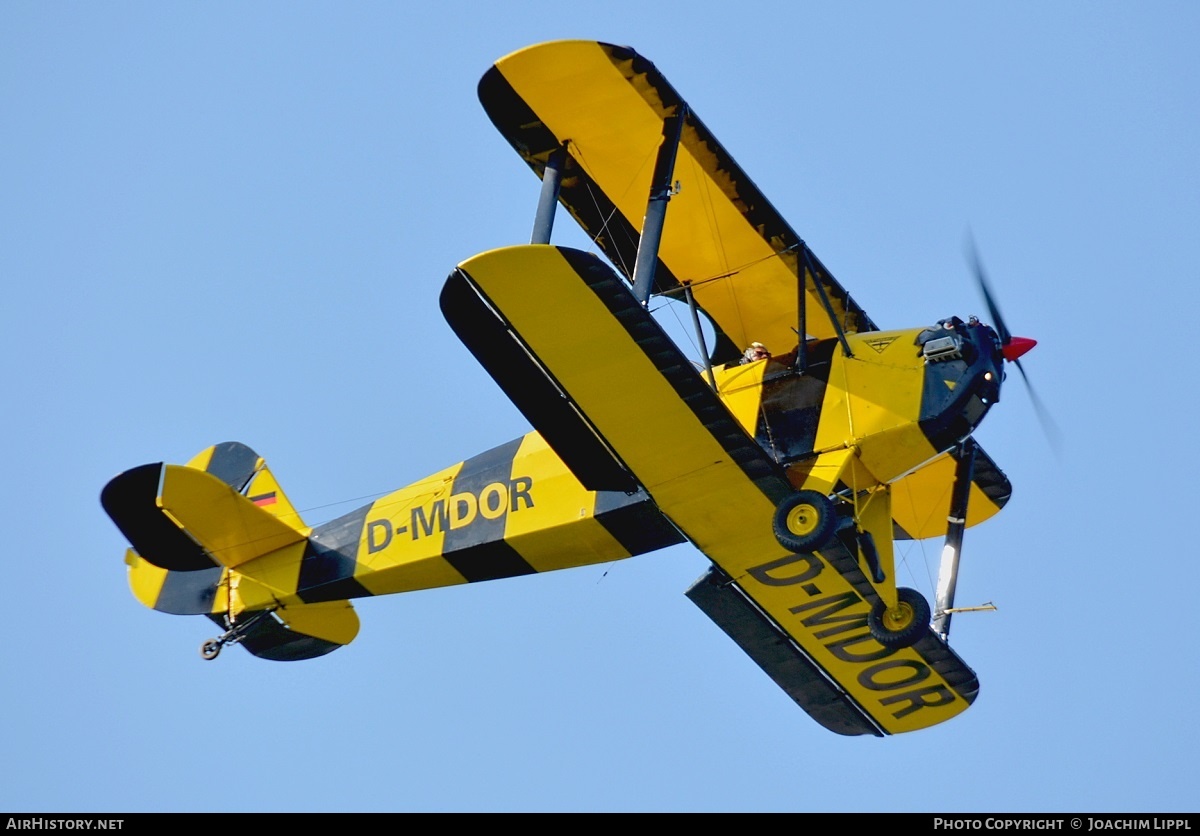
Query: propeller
(1012, 347)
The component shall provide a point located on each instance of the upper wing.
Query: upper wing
(639, 411)
(606, 104)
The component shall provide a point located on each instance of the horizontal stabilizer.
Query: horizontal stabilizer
(303, 631)
(183, 519)
(131, 500)
(199, 592)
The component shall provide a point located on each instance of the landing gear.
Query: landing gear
(870, 553)
(900, 626)
(211, 649)
(805, 522)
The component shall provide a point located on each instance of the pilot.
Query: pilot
(756, 351)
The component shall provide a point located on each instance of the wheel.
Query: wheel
(211, 649)
(902, 626)
(805, 522)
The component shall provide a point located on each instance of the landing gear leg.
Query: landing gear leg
(956, 523)
(211, 649)
(866, 544)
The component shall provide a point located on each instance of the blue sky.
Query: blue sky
(231, 222)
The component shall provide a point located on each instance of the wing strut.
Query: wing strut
(656, 208)
(808, 267)
(802, 325)
(543, 222)
(964, 473)
(691, 300)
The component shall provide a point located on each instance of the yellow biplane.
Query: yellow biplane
(793, 472)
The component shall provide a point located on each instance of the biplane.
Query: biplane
(793, 472)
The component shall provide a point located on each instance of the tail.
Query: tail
(219, 537)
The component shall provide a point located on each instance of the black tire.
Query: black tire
(805, 522)
(211, 649)
(901, 627)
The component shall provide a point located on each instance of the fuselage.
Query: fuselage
(900, 399)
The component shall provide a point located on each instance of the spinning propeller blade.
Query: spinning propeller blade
(1048, 426)
(1012, 347)
(986, 289)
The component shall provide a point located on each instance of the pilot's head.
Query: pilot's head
(756, 351)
